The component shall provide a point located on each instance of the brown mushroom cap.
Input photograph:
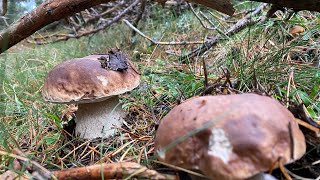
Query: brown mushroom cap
(229, 136)
(83, 80)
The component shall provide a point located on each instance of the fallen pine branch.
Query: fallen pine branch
(240, 25)
(46, 13)
(122, 170)
(64, 37)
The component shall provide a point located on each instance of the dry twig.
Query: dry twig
(139, 17)
(93, 31)
(182, 169)
(155, 42)
(283, 170)
(309, 126)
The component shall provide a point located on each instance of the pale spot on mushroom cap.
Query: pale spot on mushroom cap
(219, 145)
(103, 80)
(161, 153)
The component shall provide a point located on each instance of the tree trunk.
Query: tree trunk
(48, 12)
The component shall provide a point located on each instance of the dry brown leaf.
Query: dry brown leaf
(296, 30)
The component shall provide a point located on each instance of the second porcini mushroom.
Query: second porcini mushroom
(229, 137)
(83, 81)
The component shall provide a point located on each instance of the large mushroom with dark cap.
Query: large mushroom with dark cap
(93, 85)
(229, 137)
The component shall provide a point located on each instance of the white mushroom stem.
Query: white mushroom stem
(98, 119)
(262, 176)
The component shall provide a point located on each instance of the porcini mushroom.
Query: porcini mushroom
(229, 136)
(95, 89)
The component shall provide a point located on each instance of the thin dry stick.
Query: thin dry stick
(283, 170)
(316, 162)
(181, 169)
(91, 150)
(212, 24)
(115, 152)
(309, 126)
(97, 16)
(143, 149)
(154, 42)
(139, 17)
(199, 18)
(296, 176)
(94, 149)
(100, 28)
(222, 21)
(85, 143)
(129, 132)
(207, 19)
(83, 151)
(126, 152)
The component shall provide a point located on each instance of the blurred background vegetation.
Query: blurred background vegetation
(261, 58)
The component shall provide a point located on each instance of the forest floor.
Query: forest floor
(263, 58)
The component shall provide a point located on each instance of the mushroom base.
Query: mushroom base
(98, 119)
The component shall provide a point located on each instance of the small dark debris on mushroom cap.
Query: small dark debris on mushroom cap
(115, 60)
